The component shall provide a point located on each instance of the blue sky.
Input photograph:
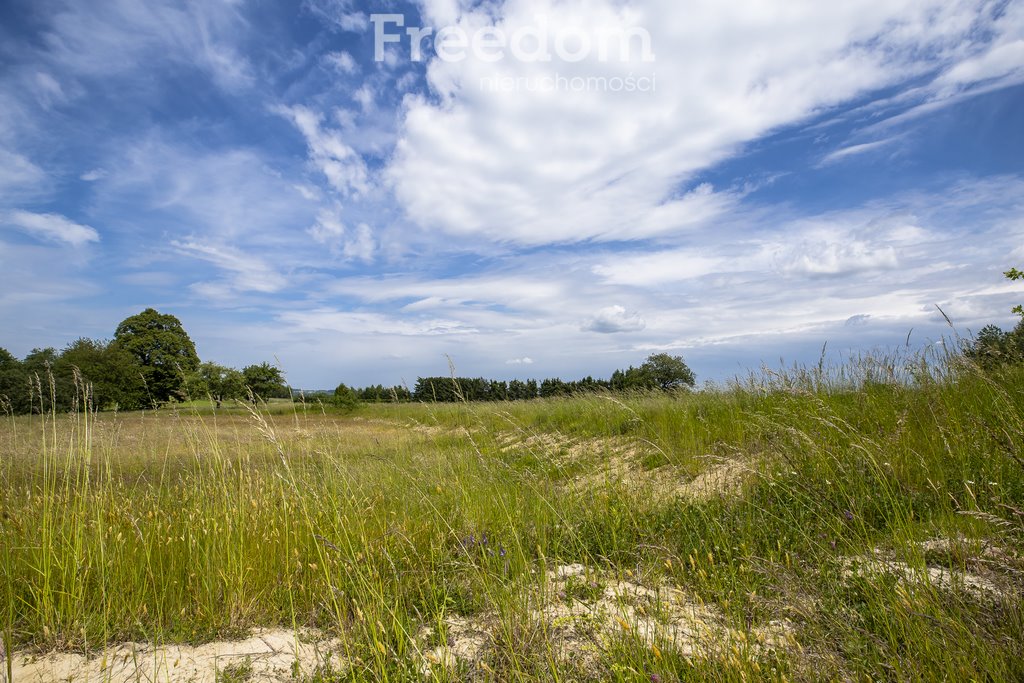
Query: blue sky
(783, 174)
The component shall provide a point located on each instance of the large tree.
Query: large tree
(164, 350)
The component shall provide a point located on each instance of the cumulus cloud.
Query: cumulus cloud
(52, 227)
(614, 319)
(520, 361)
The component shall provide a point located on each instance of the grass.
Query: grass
(402, 528)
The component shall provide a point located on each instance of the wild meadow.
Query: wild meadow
(864, 522)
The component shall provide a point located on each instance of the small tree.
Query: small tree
(345, 397)
(265, 381)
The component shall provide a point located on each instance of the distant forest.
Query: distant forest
(151, 361)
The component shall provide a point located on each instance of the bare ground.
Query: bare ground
(268, 655)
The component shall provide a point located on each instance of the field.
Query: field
(860, 523)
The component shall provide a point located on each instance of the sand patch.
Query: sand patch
(584, 611)
(973, 579)
(268, 655)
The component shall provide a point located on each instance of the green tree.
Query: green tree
(114, 375)
(659, 371)
(216, 381)
(163, 349)
(345, 397)
(668, 372)
(1014, 274)
(265, 381)
(14, 390)
(50, 386)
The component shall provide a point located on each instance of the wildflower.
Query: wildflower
(655, 678)
(849, 515)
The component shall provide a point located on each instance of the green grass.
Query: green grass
(193, 524)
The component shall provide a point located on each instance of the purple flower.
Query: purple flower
(849, 515)
(655, 678)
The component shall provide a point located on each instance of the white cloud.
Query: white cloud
(338, 14)
(52, 227)
(970, 68)
(659, 267)
(857, 320)
(344, 169)
(122, 37)
(364, 323)
(834, 258)
(48, 89)
(535, 167)
(18, 175)
(342, 61)
(250, 273)
(614, 319)
(855, 150)
(222, 194)
(357, 244)
(526, 360)
(93, 175)
(362, 246)
(365, 97)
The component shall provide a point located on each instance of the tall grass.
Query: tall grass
(191, 526)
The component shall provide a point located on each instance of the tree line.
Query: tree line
(659, 371)
(150, 362)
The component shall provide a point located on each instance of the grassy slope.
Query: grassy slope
(185, 527)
